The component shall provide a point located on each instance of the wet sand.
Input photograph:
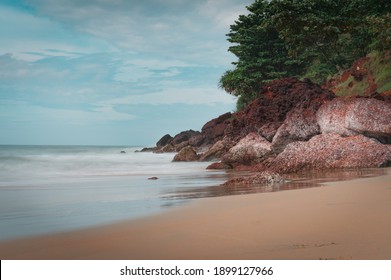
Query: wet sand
(342, 220)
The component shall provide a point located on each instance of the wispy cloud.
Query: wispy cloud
(71, 61)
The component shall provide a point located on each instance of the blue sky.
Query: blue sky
(111, 72)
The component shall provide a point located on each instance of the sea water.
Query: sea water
(47, 189)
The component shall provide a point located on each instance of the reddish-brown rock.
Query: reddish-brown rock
(214, 130)
(332, 151)
(352, 116)
(265, 114)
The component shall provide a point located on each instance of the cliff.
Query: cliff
(296, 125)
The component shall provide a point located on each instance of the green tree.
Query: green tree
(305, 38)
(262, 55)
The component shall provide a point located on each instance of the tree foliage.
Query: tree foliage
(305, 38)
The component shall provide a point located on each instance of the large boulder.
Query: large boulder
(332, 151)
(300, 125)
(186, 154)
(250, 150)
(216, 151)
(353, 116)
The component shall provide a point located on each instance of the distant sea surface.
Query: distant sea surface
(47, 189)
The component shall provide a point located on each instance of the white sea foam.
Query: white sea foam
(55, 188)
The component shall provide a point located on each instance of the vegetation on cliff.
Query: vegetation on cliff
(303, 38)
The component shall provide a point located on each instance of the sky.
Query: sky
(112, 72)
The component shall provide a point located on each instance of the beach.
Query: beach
(340, 220)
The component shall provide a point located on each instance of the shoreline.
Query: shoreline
(343, 220)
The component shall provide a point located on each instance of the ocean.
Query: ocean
(48, 189)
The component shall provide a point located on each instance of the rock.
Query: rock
(166, 139)
(122, 152)
(216, 151)
(249, 150)
(266, 113)
(299, 125)
(352, 116)
(218, 165)
(183, 136)
(153, 178)
(214, 130)
(186, 154)
(169, 148)
(262, 178)
(181, 145)
(196, 140)
(332, 151)
(145, 150)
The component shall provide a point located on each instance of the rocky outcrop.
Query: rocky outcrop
(186, 154)
(353, 116)
(250, 150)
(268, 112)
(332, 151)
(294, 126)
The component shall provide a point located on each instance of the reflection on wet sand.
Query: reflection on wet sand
(294, 181)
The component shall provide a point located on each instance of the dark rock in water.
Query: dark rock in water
(145, 150)
(123, 152)
(186, 154)
(332, 151)
(261, 178)
(166, 139)
(153, 178)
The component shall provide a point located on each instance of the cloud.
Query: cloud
(191, 30)
(77, 62)
(194, 96)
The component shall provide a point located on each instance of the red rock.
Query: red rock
(265, 114)
(352, 116)
(332, 151)
(214, 130)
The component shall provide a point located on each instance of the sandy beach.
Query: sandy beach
(340, 220)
